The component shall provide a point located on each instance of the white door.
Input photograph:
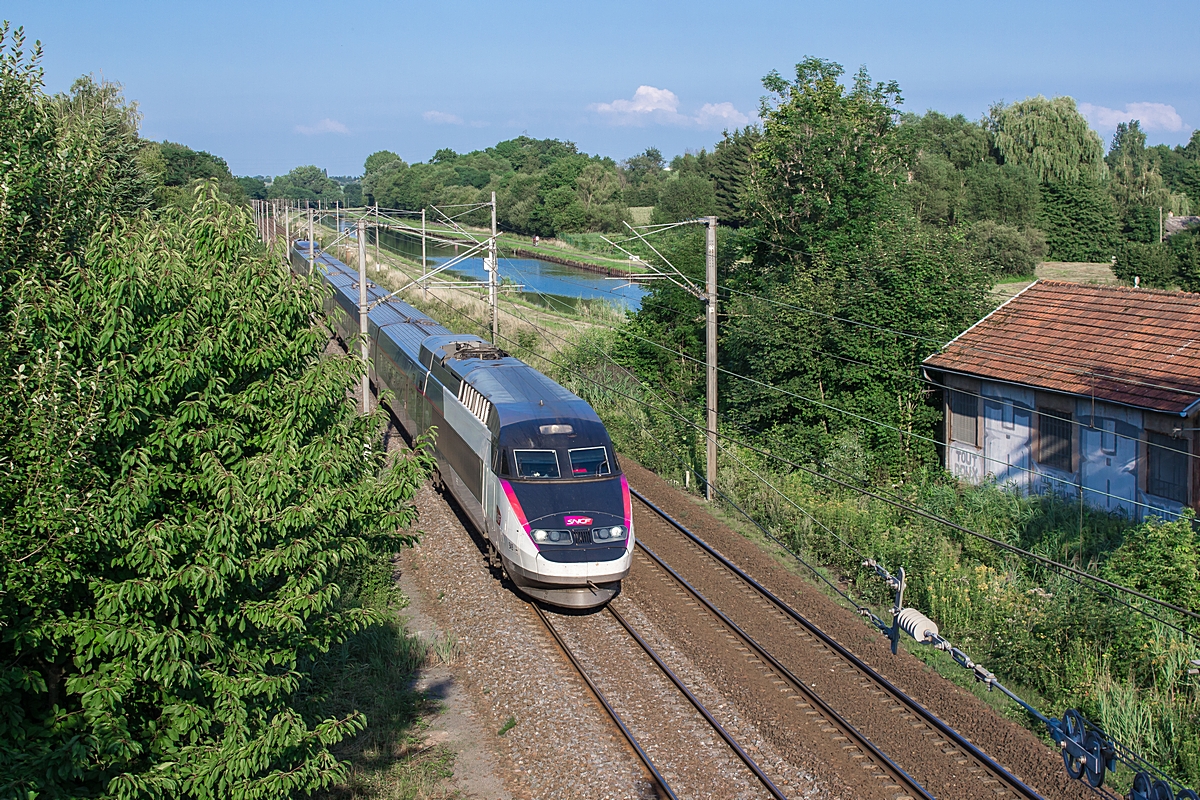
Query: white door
(1109, 454)
(1007, 436)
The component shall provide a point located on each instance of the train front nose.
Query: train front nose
(582, 551)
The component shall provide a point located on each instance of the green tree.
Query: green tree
(306, 183)
(182, 167)
(183, 489)
(828, 160)
(643, 175)
(1134, 179)
(1161, 559)
(1186, 247)
(690, 195)
(353, 193)
(1157, 265)
(729, 169)
(253, 188)
(1080, 222)
(1004, 193)
(1050, 137)
(1007, 250)
(936, 190)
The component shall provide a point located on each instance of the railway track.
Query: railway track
(924, 756)
(674, 750)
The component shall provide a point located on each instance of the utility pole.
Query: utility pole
(363, 325)
(710, 289)
(378, 266)
(312, 247)
(287, 232)
(424, 266)
(492, 275)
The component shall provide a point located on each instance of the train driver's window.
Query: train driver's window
(536, 463)
(589, 462)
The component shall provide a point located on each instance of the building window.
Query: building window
(1054, 440)
(1167, 462)
(964, 418)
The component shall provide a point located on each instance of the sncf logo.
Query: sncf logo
(575, 522)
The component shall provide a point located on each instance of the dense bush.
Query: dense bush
(1006, 250)
(184, 486)
(1156, 265)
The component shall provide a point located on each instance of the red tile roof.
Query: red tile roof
(1137, 347)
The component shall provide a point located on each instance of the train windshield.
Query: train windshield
(536, 463)
(589, 462)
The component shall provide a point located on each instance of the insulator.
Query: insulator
(917, 625)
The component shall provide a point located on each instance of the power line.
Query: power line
(919, 511)
(1063, 568)
(1008, 352)
(886, 425)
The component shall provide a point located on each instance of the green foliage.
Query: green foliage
(729, 169)
(1050, 137)
(828, 160)
(1006, 250)
(1186, 247)
(1134, 177)
(253, 188)
(185, 489)
(353, 193)
(306, 183)
(964, 144)
(1161, 559)
(1080, 222)
(644, 175)
(542, 187)
(685, 197)
(1155, 264)
(907, 276)
(937, 189)
(1004, 193)
(183, 168)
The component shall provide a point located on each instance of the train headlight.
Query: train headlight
(616, 533)
(552, 537)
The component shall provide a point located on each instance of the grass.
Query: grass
(374, 673)
(508, 725)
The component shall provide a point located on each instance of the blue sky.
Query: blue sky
(269, 86)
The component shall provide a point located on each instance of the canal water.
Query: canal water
(545, 283)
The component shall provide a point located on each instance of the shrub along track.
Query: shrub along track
(889, 715)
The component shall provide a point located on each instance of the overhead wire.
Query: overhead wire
(937, 518)
(917, 510)
(886, 425)
(860, 608)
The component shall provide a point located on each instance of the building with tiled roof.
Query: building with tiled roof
(1073, 389)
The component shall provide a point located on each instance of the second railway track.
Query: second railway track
(916, 743)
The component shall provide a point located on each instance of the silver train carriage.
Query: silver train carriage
(528, 461)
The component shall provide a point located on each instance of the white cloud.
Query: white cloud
(646, 100)
(720, 114)
(651, 104)
(442, 118)
(1153, 116)
(326, 125)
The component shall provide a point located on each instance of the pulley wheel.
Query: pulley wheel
(1073, 723)
(1094, 745)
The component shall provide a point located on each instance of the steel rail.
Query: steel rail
(961, 742)
(750, 763)
(662, 788)
(904, 781)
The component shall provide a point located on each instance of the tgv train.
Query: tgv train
(528, 461)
